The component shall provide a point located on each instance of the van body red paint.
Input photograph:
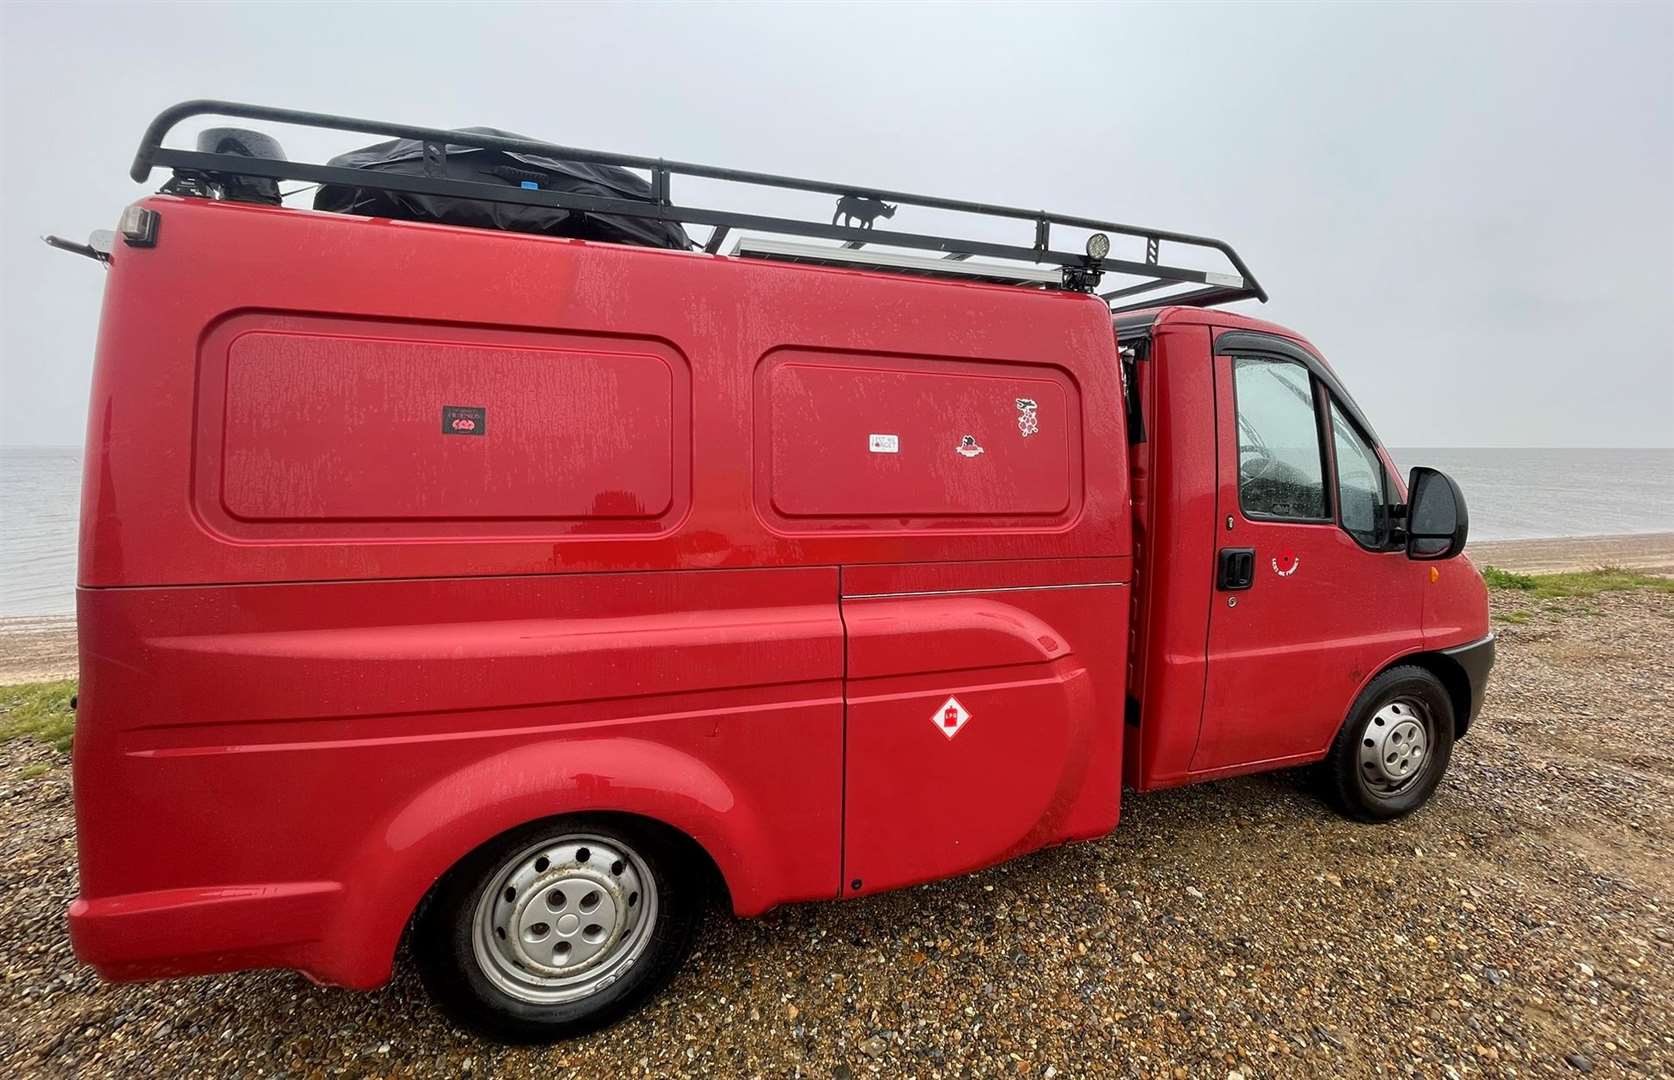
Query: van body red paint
(460, 530)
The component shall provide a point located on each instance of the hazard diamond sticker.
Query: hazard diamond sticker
(950, 717)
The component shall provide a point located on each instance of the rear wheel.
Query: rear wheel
(557, 928)
(1393, 749)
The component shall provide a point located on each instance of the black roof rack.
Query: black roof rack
(1077, 270)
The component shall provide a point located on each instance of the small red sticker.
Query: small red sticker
(464, 420)
(1285, 563)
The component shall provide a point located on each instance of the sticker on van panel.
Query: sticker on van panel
(1028, 421)
(464, 420)
(884, 444)
(968, 446)
(1285, 563)
(950, 717)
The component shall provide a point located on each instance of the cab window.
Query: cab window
(1362, 484)
(1281, 473)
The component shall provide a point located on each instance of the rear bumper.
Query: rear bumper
(172, 932)
(1476, 660)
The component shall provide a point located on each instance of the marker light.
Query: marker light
(138, 226)
(1098, 246)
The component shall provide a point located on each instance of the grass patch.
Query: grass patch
(1515, 618)
(39, 711)
(1505, 579)
(30, 772)
(1574, 583)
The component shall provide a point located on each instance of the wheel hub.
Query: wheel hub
(1394, 746)
(564, 919)
(567, 920)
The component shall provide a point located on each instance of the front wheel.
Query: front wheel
(1394, 747)
(557, 928)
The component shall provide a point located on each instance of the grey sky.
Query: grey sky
(1470, 209)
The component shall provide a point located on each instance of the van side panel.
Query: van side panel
(297, 417)
(282, 771)
(397, 544)
(1038, 668)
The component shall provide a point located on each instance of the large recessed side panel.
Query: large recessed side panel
(873, 440)
(355, 428)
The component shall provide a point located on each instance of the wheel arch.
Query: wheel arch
(403, 857)
(692, 854)
(1450, 673)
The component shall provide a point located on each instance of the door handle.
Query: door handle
(1236, 569)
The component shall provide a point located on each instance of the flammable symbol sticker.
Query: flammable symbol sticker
(950, 717)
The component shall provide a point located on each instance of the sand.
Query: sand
(1647, 553)
(36, 648)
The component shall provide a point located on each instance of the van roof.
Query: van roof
(1082, 271)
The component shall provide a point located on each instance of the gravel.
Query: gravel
(1520, 925)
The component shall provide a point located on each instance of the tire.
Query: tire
(558, 928)
(1376, 771)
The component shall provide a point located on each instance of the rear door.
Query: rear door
(1311, 597)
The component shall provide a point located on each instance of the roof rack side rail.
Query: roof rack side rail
(1080, 270)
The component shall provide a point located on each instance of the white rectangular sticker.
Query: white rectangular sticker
(885, 444)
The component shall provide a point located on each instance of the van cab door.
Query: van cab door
(1313, 593)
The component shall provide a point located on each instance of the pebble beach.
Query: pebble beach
(1521, 924)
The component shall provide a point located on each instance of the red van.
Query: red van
(511, 583)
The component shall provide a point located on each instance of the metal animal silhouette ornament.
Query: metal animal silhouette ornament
(858, 208)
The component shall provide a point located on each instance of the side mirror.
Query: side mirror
(1437, 521)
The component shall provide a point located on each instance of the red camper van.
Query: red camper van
(476, 558)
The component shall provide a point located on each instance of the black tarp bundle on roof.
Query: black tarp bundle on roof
(405, 157)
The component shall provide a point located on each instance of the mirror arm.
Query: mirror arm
(1397, 526)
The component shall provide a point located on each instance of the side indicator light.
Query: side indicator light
(1435, 575)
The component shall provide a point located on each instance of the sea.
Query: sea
(1512, 494)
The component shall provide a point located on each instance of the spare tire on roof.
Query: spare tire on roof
(250, 144)
(405, 157)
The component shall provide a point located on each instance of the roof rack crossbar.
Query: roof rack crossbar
(1080, 270)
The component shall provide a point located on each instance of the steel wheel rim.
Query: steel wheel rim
(1395, 747)
(564, 918)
